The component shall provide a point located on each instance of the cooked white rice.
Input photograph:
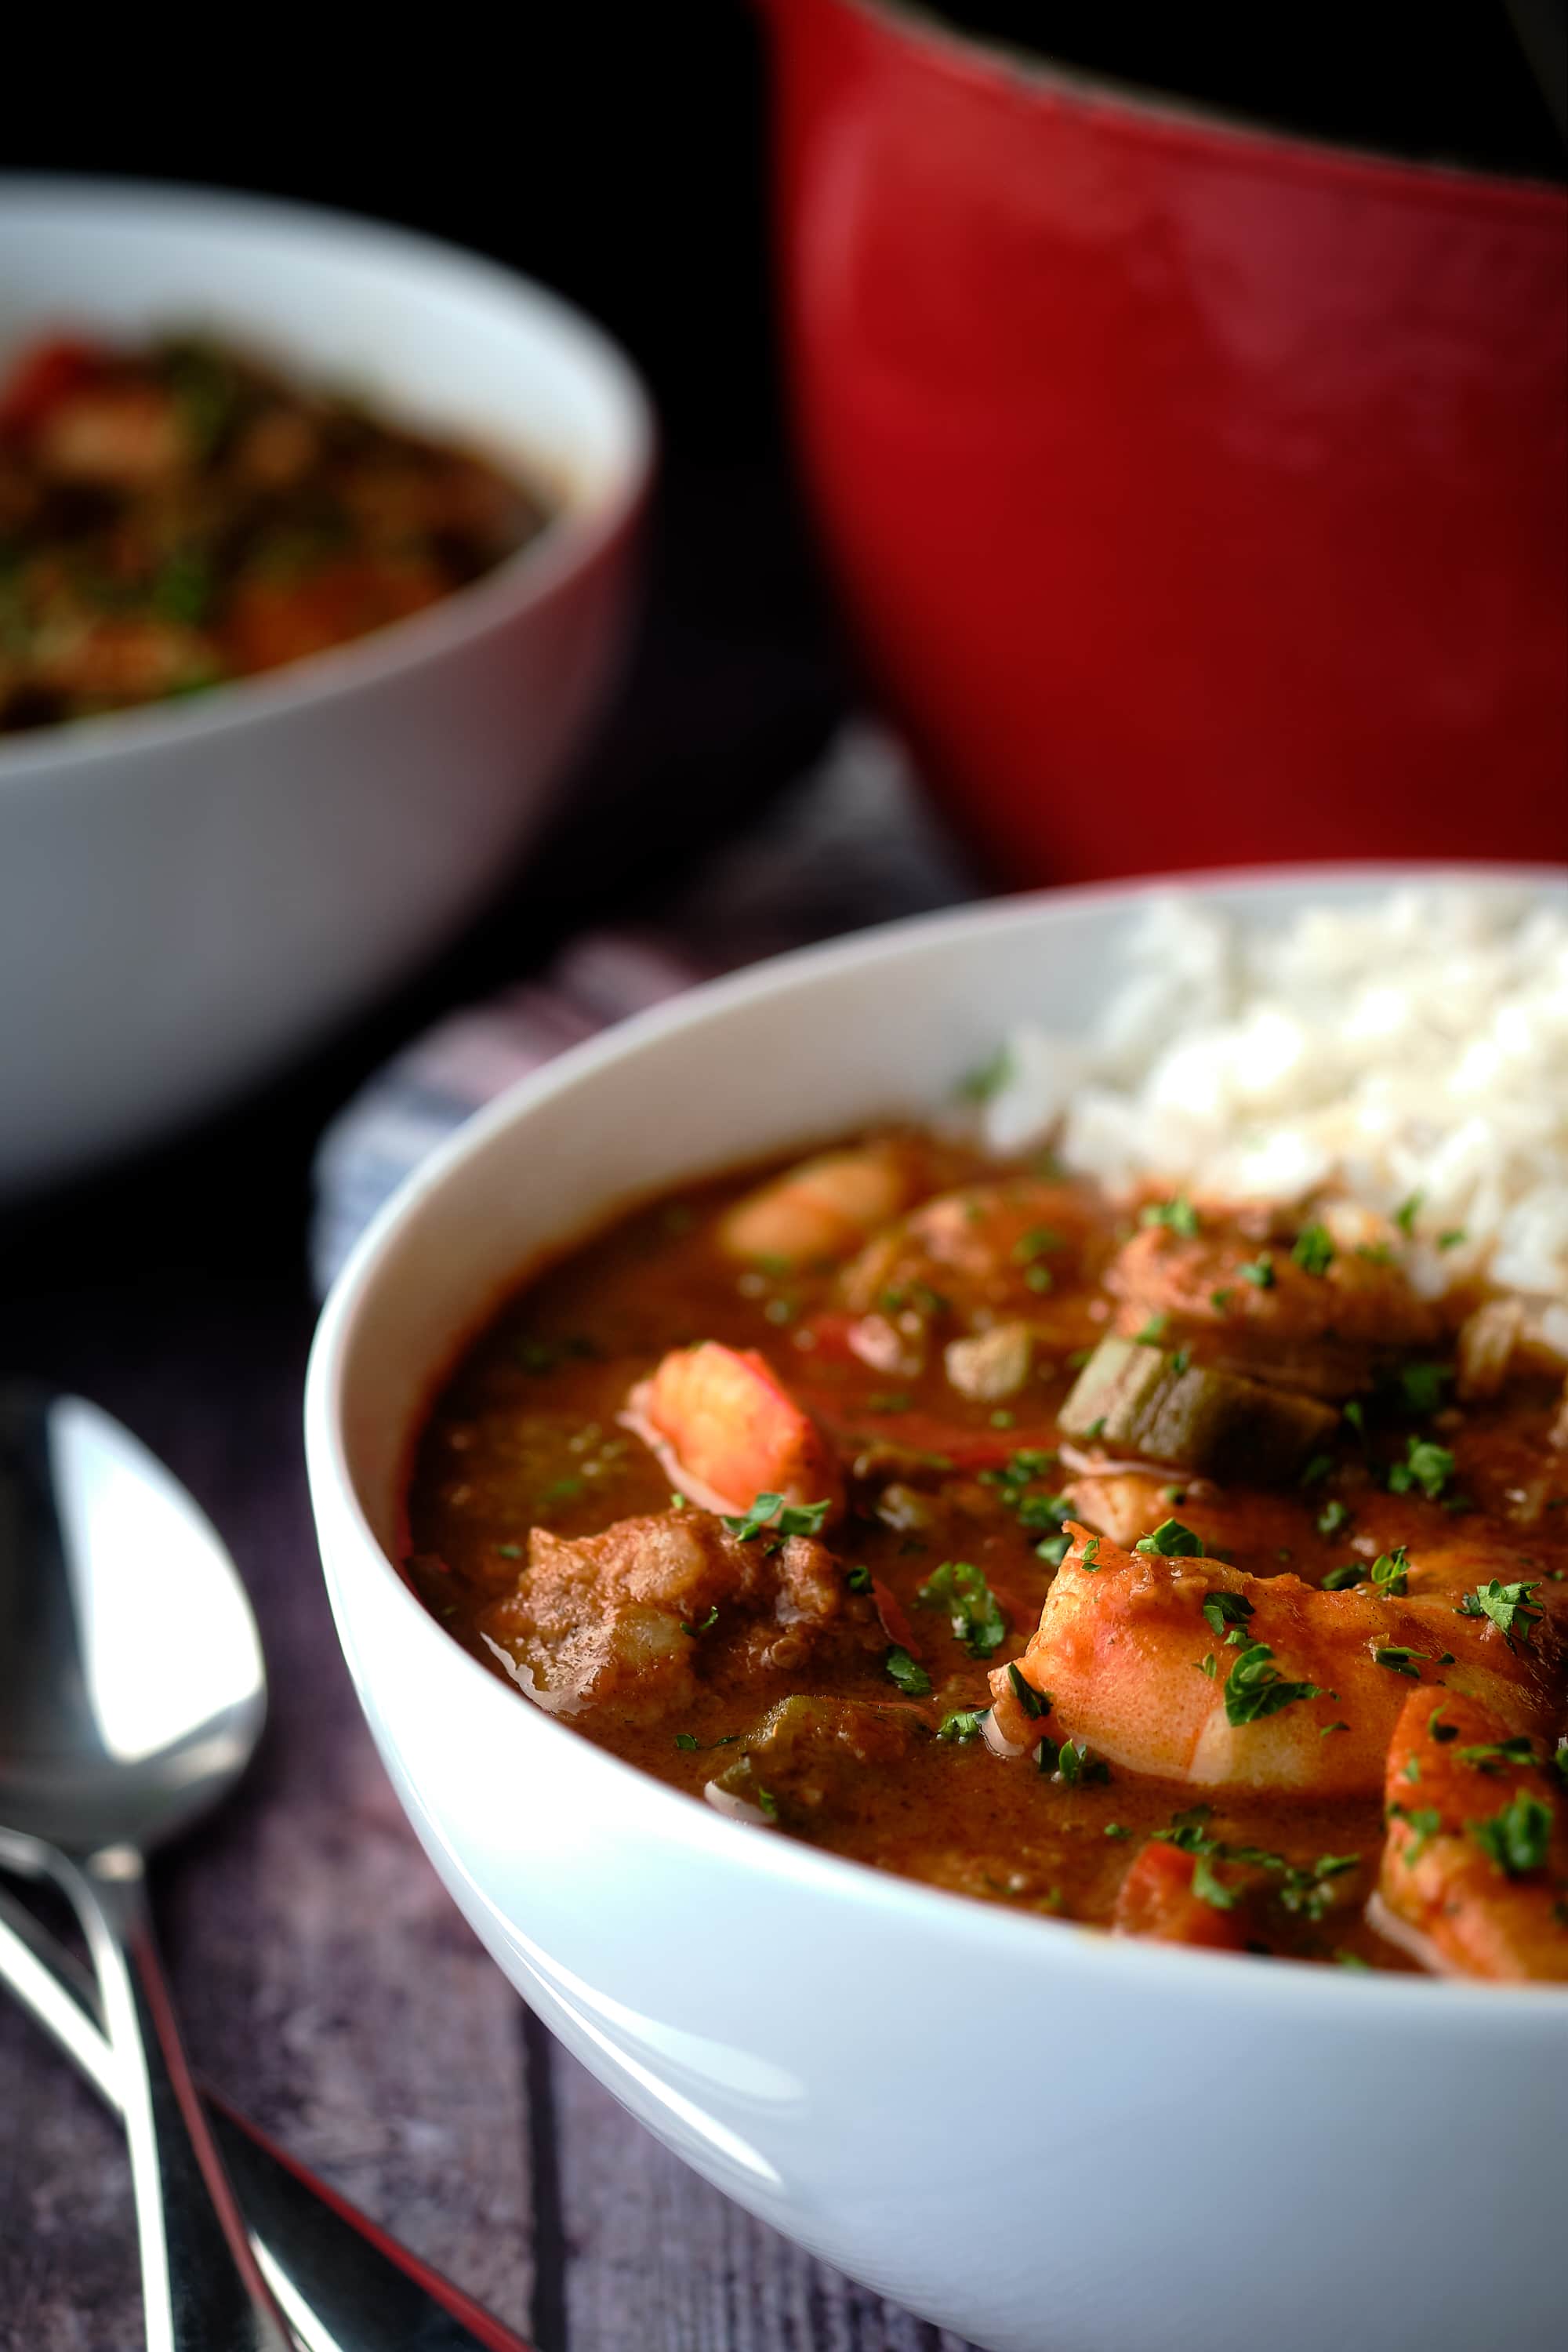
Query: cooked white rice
(1414, 1049)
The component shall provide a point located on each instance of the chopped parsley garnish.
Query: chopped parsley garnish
(1510, 1607)
(1426, 1466)
(684, 1739)
(1034, 1703)
(1090, 1556)
(858, 1579)
(1453, 1238)
(1490, 1756)
(974, 1612)
(1518, 1837)
(1224, 1610)
(694, 1747)
(1389, 1572)
(1440, 1731)
(1422, 1386)
(508, 1552)
(911, 1678)
(1210, 1888)
(1220, 1299)
(1304, 1887)
(1314, 1249)
(1402, 1661)
(1039, 1242)
(1154, 1331)
(1255, 1687)
(1405, 1214)
(1260, 1272)
(706, 1626)
(766, 1799)
(1340, 1579)
(989, 1078)
(1310, 1892)
(1172, 1541)
(1075, 1765)
(1117, 1829)
(1333, 1518)
(1426, 1821)
(1206, 1666)
(1179, 1214)
(772, 1511)
(962, 1724)
(1317, 1469)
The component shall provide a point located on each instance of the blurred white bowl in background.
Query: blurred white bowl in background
(188, 894)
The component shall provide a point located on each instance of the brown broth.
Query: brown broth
(525, 1436)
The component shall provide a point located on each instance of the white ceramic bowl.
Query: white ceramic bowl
(1047, 2140)
(189, 893)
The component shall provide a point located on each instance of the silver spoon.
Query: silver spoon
(131, 1693)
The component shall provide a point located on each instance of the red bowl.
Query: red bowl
(1199, 494)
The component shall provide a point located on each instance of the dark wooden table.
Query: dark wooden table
(326, 1981)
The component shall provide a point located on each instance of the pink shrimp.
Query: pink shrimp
(1186, 1668)
(1475, 1869)
(725, 1431)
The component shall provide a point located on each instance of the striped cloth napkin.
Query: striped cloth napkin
(849, 845)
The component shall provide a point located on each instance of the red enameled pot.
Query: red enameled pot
(1199, 493)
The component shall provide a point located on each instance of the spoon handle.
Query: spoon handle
(202, 2287)
(344, 2284)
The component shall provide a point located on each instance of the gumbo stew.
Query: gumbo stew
(181, 515)
(1170, 1569)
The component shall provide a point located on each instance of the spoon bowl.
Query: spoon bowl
(132, 1689)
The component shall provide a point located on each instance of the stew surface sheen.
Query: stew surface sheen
(894, 1331)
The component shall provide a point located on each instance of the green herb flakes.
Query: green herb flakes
(1033, 1702)
(1517, 1838)
(1172, 1541)
(1426, 1466)
(1255, 1687)
(974, 1612)
(911, 1677)
(1224, 1610)
(1510, 1607)
(772, 1511)
(1389, 1572)
(1314, 1249)
(1179, 1215)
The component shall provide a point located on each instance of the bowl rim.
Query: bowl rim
(571, 541)
(1421, 2003)
(1220, 131)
